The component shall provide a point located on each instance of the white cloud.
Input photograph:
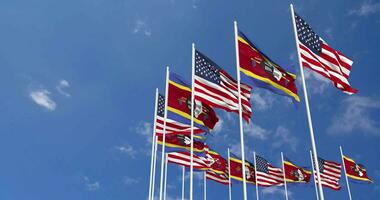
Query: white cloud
(141, 27)
(91, 186)
(256, 131)
(366, 8)
(355, 115)
(61, 86)
(261, 100)
(41, 97)
(127, 149)
(316, 83)
(328, 32)
(275, 190)
(145, 129)
(218, 126)
(283, 137)
(130, 181)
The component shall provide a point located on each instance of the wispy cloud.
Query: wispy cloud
(275, 190)
(91, 186)
(366, 8)
(317, 83)
(42, 98)
(219, 126)
(127, 149)
(355, 115)
(262, 100)
(145, 129)
(62, 85)
(256, 131)
(283, 137)
(130, 180)
(329, 34)
(141, 27)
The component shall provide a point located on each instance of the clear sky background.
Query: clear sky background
(78, 80)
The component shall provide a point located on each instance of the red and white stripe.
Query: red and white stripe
(220, 178)
(274, 177)
(330, 175)
(331, 64)
(174, 127)
(225, 95)
(183, 158)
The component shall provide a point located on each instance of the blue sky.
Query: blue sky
(78, 80)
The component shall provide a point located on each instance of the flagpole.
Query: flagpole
(257, 185)
(154, 167)
(192, 119)
(204, 186)
(345, 173)
(153, 143)
(315, 180)
(283, 171)
(229, 176)
(183, 182)
(166, 175)
(240, 110)
(164, 133)
(314, 148)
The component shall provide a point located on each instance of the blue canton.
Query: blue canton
(307, 36)
(206, 69)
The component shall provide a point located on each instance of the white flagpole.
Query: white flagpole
(315, 180)
(153, 143)
(257, 185)
(166, 175)
(229, 176)
(183, 182)
(154, 167)
(192, 120)
(345, 173)
(164, 133)
(204, 186)
(240, 110)
(313, 145)
(283, 171)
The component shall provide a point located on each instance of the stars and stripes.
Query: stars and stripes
(330, 173)
(317, 55)
(183, 158)
(220, 178)
(172, 126)
(267, 175)
(217, 88)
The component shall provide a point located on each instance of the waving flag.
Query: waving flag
(220, 178)
(236, 172)
(330, 173)
(317, 55)
(216, 162)
(183, 158)
(261, 71)
(355, 171)
(267, 175)
(172, 126)
(179, 105)
(217, 88)
(296, 174)
(182, 142)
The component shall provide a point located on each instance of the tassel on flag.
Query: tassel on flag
(317, 55)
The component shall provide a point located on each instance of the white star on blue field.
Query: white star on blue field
(78, 80)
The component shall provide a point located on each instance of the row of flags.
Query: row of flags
(185, 115)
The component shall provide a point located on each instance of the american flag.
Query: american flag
(220, 178)
(183, 158)
(266, 174)
(215, 87)
(330, 173)
(317, 55)
(172, 126)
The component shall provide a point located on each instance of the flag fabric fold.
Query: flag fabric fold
(214, 86)
(220, 178)
(330, 173)
(320, 57)
(183, 158)
(179, 142)
(267, 175)
(355, 170)
(259, 70)
(236, 172)
(216, 162)
(295, 174)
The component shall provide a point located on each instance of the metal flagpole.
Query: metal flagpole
(154, 167)
(315, 180)
(313, 145)
(257, 185)
(183, 182)
(204, 186)
(240, 110)
(345, 173)
(153, 143)
(192, 120)
(166, 175)
(229, 176)
(283, 171)
(164, 133)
